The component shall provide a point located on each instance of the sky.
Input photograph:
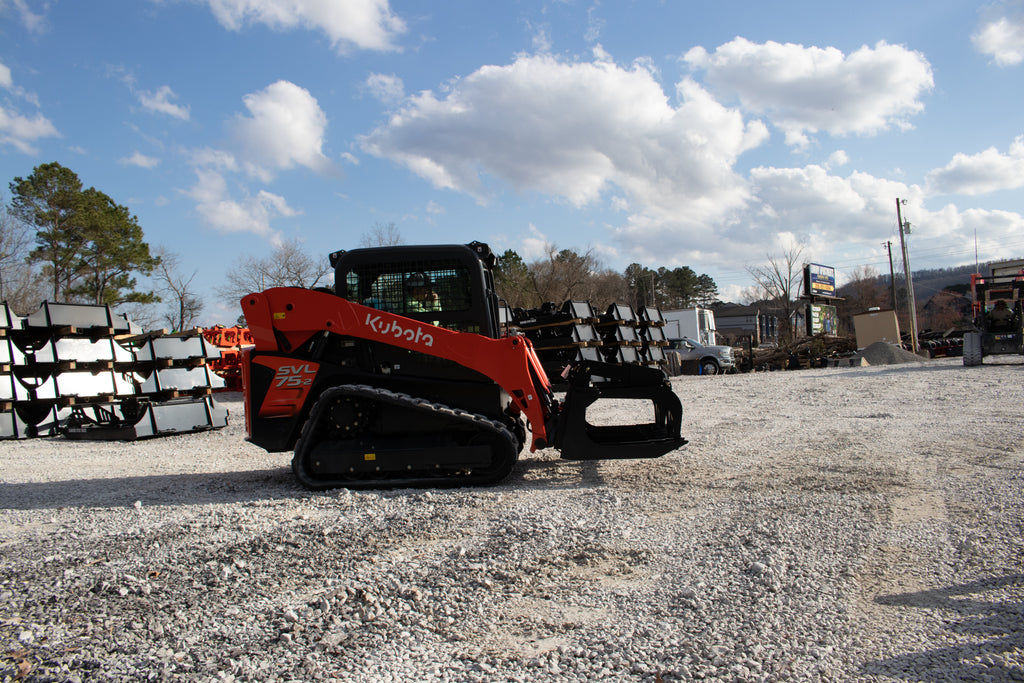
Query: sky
(714, 135)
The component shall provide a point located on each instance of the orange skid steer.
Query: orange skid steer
(401, 376)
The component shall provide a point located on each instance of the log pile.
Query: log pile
(804, 353)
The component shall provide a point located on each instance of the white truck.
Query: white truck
(695, 323)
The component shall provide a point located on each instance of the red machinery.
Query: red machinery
(230, 341)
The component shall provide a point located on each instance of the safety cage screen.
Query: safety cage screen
(418, 289)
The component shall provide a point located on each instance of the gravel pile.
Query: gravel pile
(841, 524)
(883, 353)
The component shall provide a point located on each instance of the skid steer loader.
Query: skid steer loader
(998, 321)
(401, 376)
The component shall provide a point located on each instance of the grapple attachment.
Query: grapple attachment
(589, 382)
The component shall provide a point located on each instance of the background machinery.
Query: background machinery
(998, 320)
(402, 377)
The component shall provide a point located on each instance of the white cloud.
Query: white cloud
(7, 83)
(214, 158)
(976, 174)
(600, 133)
(1003, 39)
(361, 24)
(573, 130)
(220, 211)
(595, 25)
(541, 41)
(34, 23)
(160, 101)
(838, 158)
(843, 218)
(19, 130)
(535, 245)
(828, 214)
(139, 159)
(388, 88)
(285, 128)
(820, 203)
(803, 90)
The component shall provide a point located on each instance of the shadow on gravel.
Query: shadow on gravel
(169, 489)
(989, 611)
(239, 487)
(556, 474)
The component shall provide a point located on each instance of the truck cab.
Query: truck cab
(710, 359)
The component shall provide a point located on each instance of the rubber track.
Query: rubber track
(426, 477)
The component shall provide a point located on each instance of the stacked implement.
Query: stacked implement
(573, 332)
(81, 371)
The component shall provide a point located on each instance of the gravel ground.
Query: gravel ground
(833, 524)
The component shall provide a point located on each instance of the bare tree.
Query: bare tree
(606, 287)
(751, 295)
(780, 281)
(183, 306)
(21, 286)
(382, 235)
(145, 316)
(563, 274)
(863, 291)
(287, 266)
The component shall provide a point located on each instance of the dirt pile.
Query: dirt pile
(883, 353)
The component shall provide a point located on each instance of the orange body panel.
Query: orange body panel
(291, 316)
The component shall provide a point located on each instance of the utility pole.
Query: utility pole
(910, 283)
(892, 276)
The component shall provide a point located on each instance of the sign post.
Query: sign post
(820, 290)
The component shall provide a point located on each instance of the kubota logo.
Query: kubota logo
(417, 336)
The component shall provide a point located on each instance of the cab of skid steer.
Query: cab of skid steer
(450, 286)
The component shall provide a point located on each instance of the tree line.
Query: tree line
(559, 275)
(565, 274)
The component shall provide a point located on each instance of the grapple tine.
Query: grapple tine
(579, 440)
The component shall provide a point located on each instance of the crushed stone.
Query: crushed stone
(862, 524)
(884, 353)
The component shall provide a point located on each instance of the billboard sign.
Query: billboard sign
(819, 280)
(821, 319)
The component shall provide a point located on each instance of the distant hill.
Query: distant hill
(928, 283)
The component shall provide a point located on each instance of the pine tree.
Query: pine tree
(88, 245)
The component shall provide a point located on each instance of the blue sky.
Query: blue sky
(705, 134)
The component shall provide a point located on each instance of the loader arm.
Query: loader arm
(285, 318)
